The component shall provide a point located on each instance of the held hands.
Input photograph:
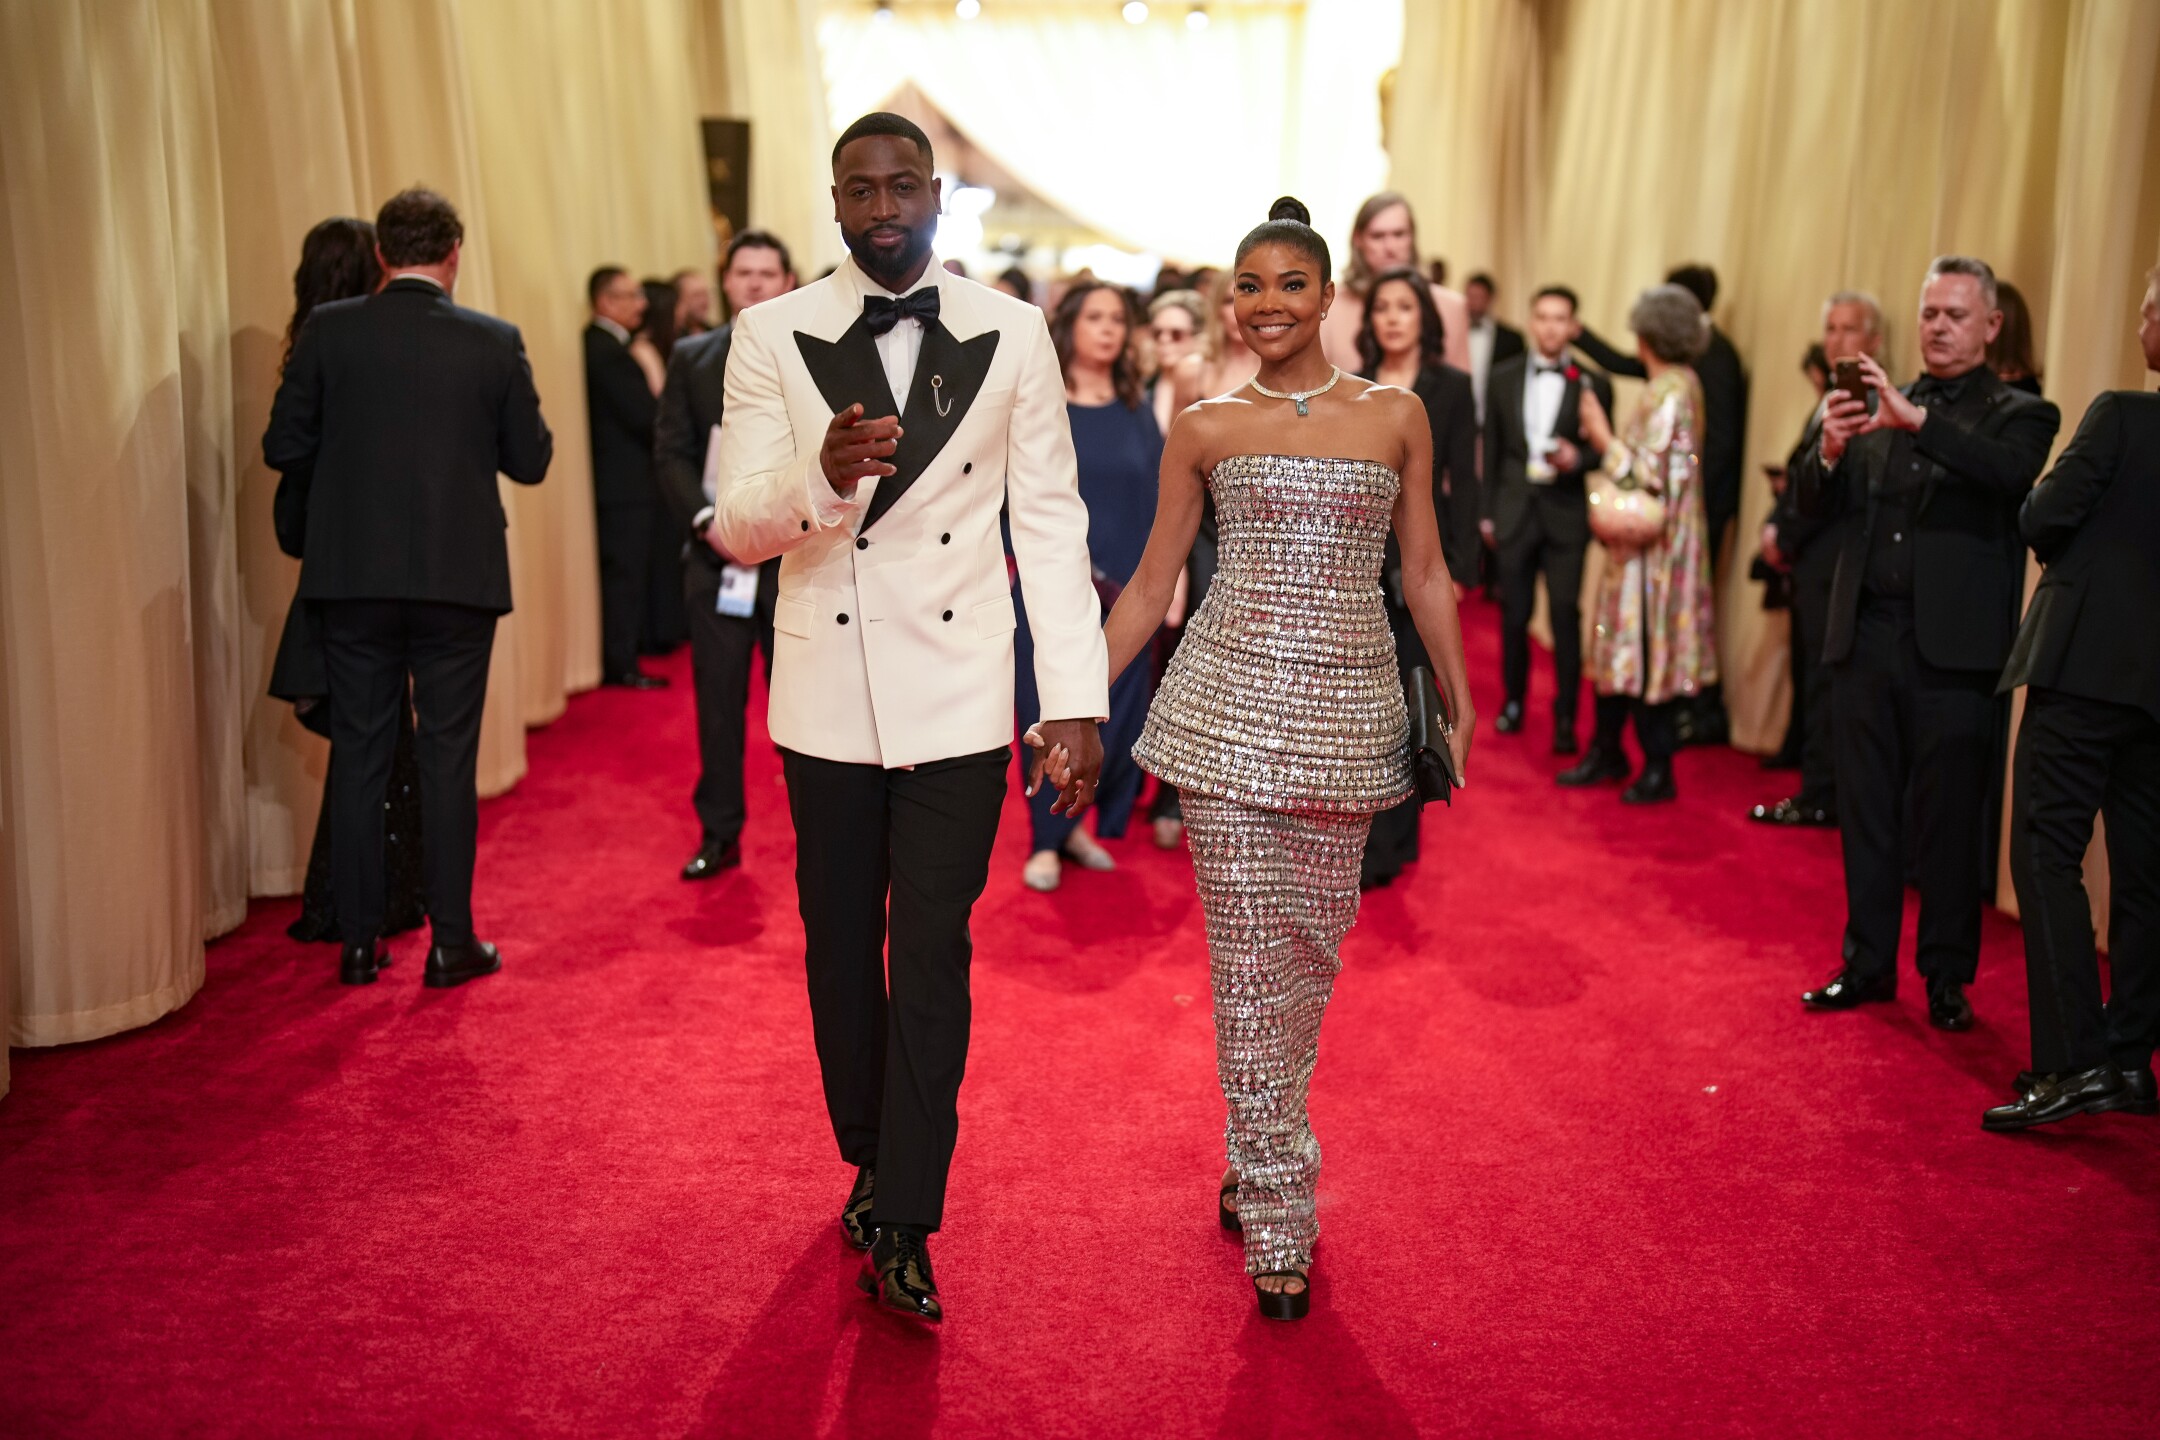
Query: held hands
(1596, 427)
(855, 449)
(1071, 752)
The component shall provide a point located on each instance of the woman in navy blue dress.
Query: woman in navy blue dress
(1119, 447)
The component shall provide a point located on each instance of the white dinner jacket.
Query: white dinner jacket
(895, 620)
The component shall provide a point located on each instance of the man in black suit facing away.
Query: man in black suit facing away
(1922, 611)
(395, 414)
(2091, 744)
(619, 407)
(1808, 549)
(1724, 456)
(1537, 515)
(730, 606)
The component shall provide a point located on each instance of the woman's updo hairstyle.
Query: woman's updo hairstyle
(1289, 223)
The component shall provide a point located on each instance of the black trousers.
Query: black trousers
(1814, 683)
(2077, 758)
(892, 1029)
(1657, 727)
(625, 533)
(1901, 722)
(375, 650)
(1522, 556)
(721, 649)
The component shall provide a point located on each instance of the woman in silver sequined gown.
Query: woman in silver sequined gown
(1281, 719)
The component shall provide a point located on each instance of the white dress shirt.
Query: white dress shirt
(1482, 335)
(1541, 398)
(612, 328)
(900, 346)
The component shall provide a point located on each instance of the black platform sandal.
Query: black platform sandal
(1224, 1211)
(1284, 1304)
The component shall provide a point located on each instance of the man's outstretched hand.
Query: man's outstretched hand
(857, 449)
(1070, 751)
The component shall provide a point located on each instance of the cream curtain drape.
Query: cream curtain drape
(1800, 146)
(161, 161)
(1169, 140)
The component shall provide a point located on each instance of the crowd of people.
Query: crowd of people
(1898, 540)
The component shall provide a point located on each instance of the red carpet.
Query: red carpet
(1590, 1168)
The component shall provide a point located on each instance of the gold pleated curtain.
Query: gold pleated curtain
(161, 161)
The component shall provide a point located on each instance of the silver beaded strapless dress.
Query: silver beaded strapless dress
(1284, 693)
(1281, 723)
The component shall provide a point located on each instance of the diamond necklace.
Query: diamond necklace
(1300, 396)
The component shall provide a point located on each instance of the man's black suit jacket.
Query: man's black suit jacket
(2095, 524)
(1724, 429)
(1564, 507)
(1980, 458)
(619, 408)
(394, 416)
(691, 404)
(1507, 343)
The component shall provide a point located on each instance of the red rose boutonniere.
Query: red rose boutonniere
(1572, 373)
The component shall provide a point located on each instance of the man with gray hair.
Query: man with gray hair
(1808, 549)
(1923, 607)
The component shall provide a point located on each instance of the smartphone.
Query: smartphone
(1846, 376)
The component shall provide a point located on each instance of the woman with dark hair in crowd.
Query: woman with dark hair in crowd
(1119, 449)
(1014, 282)
(2011, 354)
(1401, 342)
(1653, 642)
(338, 262)
(1282, 721)
(665, 626)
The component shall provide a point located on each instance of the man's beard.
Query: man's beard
(888, 267)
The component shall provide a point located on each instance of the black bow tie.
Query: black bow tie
(1541, 368)
(881, 312)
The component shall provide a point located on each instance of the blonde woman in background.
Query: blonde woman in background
(1175, 320)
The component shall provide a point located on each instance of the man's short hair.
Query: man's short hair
(1979, 270)
(1698, 280)
(883, 122)
(1560, 292)
(416, 226)
(1861, 298)
(757, 240)
(599, 280)
(1481, 278)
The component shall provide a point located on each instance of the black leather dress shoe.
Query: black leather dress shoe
(1563, 736)
(896, 1273)
(1948, 1009)
(1597, 766)
(2058, 1097)
(449, 965)
(1510, 720)
(855, 1215)
(2138, 1096)
(1653, 787)
(1846, 990)
(1794, 811)
(359, 961)
(637, 680)
(712, 858)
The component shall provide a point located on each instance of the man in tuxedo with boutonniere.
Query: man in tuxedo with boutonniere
(877, 422)
(1537, 510)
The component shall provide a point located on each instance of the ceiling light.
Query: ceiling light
(1136, 12)
(1196, 18)
(882, 12)
(967, 9)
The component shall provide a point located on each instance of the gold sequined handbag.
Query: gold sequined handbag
(1624, 515)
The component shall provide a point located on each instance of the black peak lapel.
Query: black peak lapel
(848, 371)
(948, 374)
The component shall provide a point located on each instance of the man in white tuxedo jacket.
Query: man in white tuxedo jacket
(877, 422)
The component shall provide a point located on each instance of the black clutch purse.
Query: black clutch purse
(1432, 763)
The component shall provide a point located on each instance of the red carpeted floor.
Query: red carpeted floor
(1590, 1168)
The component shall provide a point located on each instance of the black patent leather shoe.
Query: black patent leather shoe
(1510, 720)
(1563, 736)
(2138, 1096)
(636, 680)
(2058, 1097)
(449, 965)
(896, 1273)
(855, 1215)
(712, 858)
(1847, 990)
(1653, 787)
(1794, 811)
(359, 962)
(1948, 1009)
(1598, 766)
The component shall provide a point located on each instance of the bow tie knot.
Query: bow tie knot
(882, 312)
(1542, 368)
